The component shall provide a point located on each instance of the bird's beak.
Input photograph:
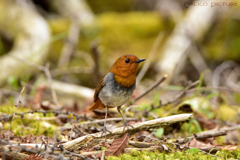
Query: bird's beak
(139, 60)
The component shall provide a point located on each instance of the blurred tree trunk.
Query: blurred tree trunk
(77, 9)
(193, 27)
(20, 22)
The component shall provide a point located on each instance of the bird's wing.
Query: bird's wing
(98, 89)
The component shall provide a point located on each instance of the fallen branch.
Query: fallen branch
(70, 89)
(141, 144)
(157, 123)
(99, 121)
(202, 135)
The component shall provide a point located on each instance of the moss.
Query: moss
(225, 112)
(147, 155)
(28, 125)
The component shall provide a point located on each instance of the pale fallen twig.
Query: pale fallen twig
(16, 105)
(99, 121)
(202, 135)
(157, 123)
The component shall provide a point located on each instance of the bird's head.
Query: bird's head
(126, 65)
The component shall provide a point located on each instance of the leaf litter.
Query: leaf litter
(164, 140)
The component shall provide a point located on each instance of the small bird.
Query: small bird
(117, 85)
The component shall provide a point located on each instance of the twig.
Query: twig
(72, 40)
(150, 88)
(161, 122)
(99, 121)
(103, 155)
(207, 153)
(150, 57)
(230, 128)
(141, 144)
(202, 135)
(211, 88)
(49, 77)
(70, 70)
(178, 96)
(16, 105)
(152, 148)
(45, 112)
(96, 53)
(198, 62)
(70, 89)
(45, 70)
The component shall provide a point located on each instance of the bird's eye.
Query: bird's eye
(127, 60)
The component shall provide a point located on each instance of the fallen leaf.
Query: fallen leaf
(202, 146)
(36, 103)
(33, 157)
(117, 147)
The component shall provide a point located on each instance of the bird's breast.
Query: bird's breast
(113, 94)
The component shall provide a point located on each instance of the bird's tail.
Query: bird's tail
(97, 105)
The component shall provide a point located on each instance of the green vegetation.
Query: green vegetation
(146, 155)
(29, 124)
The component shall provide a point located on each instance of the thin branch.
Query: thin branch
(157, 123)
(211, 88)
(208, 153)
(150, 57)
(95, 54)
(70, 70)
(16, 105)
(99, 121)
(150, 88)
(49, 77)
(198, 62)
(29, 63)
(71, 42)
(47, 73)
(202, 135)
(45, 112)
(178, 96)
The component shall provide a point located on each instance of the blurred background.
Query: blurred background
(54, 52)
(63, 48)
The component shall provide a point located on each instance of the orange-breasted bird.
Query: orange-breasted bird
(117, 85)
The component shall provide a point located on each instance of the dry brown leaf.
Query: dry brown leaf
(197, 144)
(202, 146)
(208, 147)
(117, 146)
(33, 157)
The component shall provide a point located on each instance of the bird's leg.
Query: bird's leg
(105, 128)
(125, 122)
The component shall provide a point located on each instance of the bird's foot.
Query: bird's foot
(127, 125)
(104, 131)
